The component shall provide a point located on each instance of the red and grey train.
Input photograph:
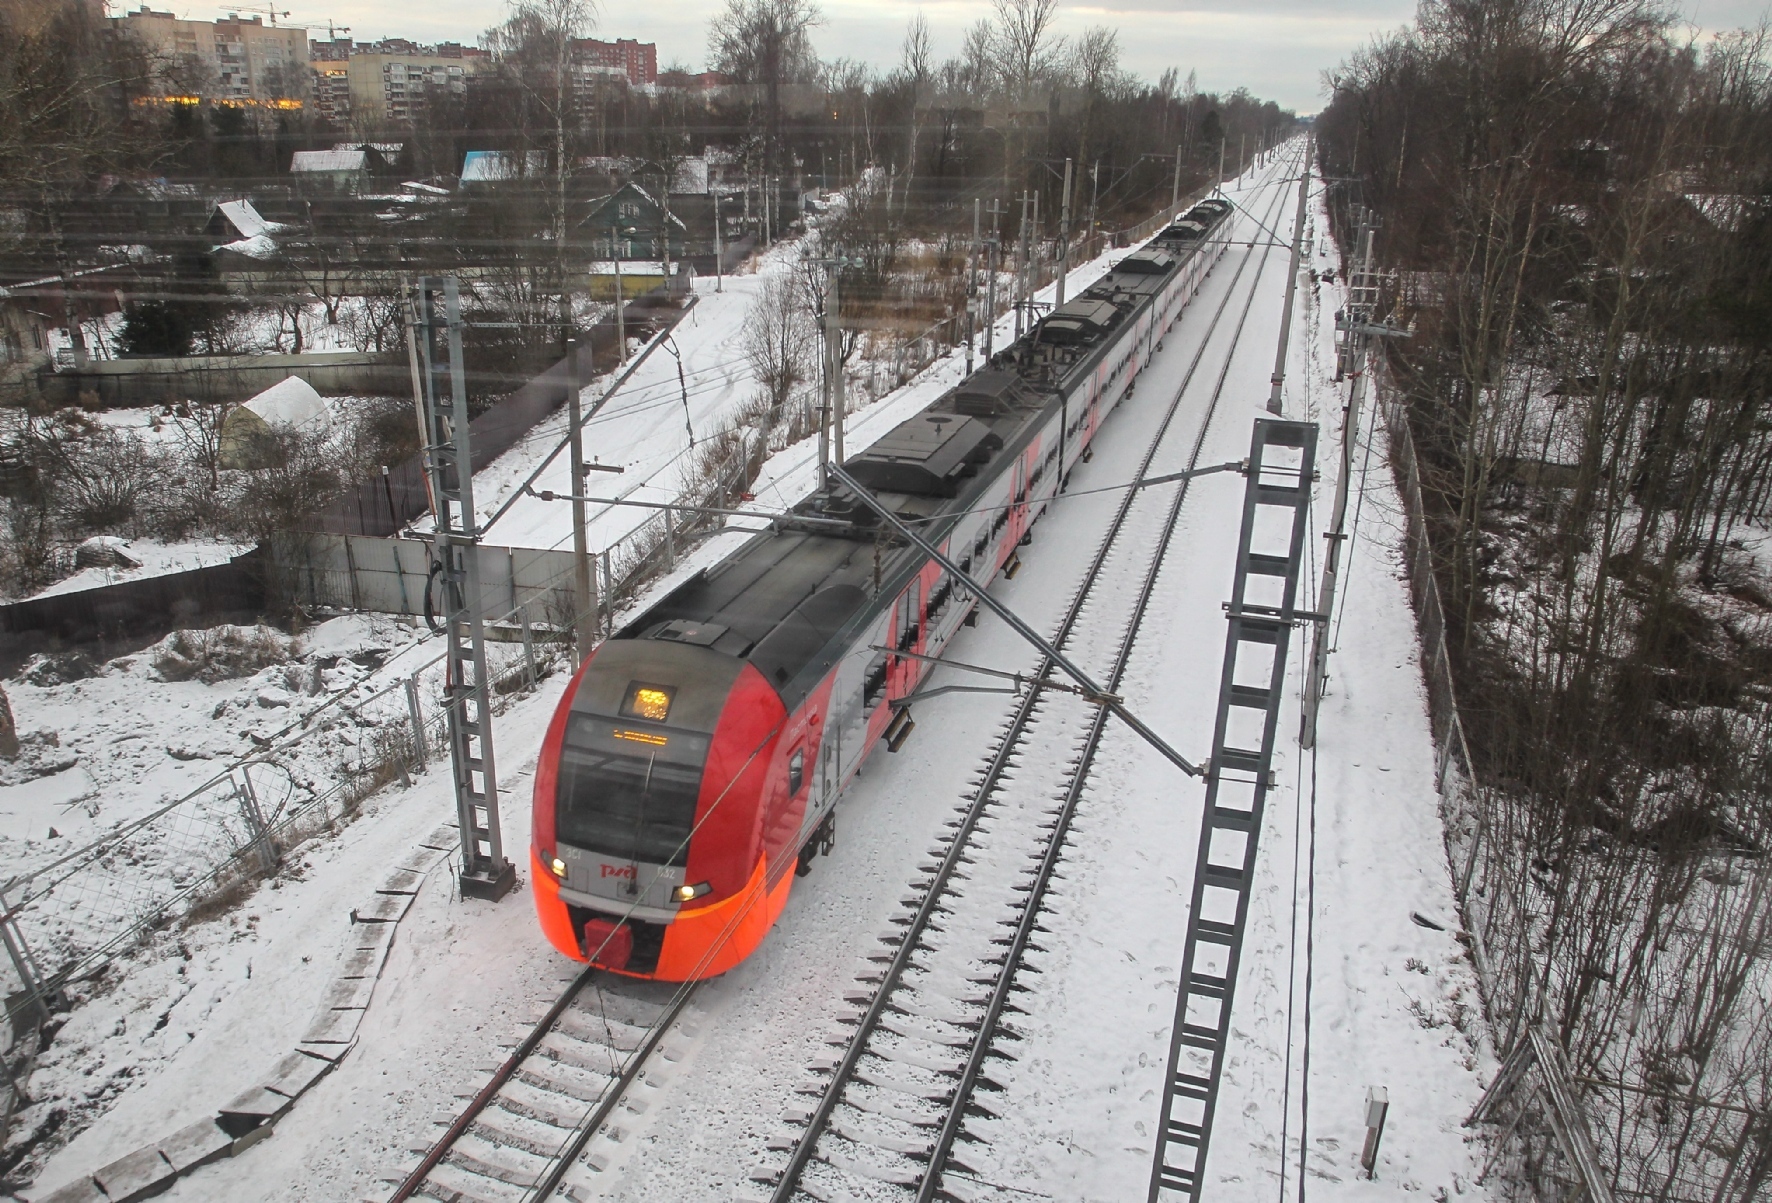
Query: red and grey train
(697, 757)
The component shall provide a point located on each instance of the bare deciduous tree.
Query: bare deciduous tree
(914, 68)
(780, 342)
(766, 44)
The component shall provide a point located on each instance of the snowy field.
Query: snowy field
(1389, 1000)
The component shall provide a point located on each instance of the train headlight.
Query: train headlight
(559, 868)
(691, 893)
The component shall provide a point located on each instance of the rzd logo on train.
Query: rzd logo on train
(626, 871)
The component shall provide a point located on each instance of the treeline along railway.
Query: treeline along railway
(1575, 208)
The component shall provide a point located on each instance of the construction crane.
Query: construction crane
(271, 11)
(333, 28)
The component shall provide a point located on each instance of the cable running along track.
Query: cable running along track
(899, 1096)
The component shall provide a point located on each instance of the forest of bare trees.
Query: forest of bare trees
(1575, 205)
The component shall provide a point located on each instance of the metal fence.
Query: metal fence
(196, 853)
(63, 921)
(1557, 1134)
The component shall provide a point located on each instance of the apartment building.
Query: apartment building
(238, 60)
(387, 83)
(638, 61)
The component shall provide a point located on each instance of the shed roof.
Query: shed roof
(290, 402)
(338, 159)
(490, 166)
(246, 219)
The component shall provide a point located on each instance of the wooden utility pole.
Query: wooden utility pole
(621, 307)
(719, 251)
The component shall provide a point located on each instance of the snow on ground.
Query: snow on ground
(648, 426)
(199, 1015)
(138, 739)
(1391, 1003)
(155, 559)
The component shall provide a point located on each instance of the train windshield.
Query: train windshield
(628, 790)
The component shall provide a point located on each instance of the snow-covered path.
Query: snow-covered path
(1385, 994)
(689, 387)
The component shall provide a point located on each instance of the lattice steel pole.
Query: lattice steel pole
(1264, 591)
(455, 584)
(1358, 328)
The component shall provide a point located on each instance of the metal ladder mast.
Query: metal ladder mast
(1270, 554)
(1363, 284)
(485, 870)
(1357, 327)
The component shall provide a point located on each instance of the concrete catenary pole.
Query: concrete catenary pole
(972, 284)
(1304, 189)
(585, 623)
(1174, 189)
(1064, 236)
(834, 334)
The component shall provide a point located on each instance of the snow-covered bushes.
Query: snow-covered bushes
(67, 477)
(224, 653)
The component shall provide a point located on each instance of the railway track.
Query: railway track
(931, 1009)
(518, 1137)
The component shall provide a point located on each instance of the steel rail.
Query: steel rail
(788, 1183)
(587, 1128)
(1031, 909)
(440, 1148)
(611, 1095)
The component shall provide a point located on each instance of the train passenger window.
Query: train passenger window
(938, 597)
(796, 772)
(874, 683)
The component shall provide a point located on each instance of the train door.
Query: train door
(1018, 515)
(906, 629)
(830, 764)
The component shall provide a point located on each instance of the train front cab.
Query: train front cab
(659, 740)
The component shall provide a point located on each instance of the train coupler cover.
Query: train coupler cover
(609, 943)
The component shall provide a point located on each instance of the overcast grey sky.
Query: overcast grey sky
(1278, 49)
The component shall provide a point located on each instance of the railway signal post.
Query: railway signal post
(455, 581)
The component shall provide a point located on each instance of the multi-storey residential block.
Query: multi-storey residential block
(239, 60)
(388, 82)
(638, 61)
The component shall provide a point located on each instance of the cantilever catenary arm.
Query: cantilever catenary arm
(1090, 688)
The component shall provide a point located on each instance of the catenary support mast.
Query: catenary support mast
(455, 586)
(1304, 191)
